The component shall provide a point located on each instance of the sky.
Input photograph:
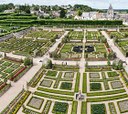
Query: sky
(100, 4)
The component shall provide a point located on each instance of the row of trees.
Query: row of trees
(80, 22)
(6, 6)
(56, 22)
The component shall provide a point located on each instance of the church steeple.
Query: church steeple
(110, 7)
(110, 13)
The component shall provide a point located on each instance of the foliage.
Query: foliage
(27, 61)
(82, 8)
(117, 65)
(78, 22)
(25, 8)
(6, 6)
(108, 62)
(79, 13)
(111, 55)
(55, 55)
(62, 13)
(49, 64)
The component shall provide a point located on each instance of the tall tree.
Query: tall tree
(79, 13)
(62, 13)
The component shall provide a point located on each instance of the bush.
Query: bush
(27, 61)
(49, 64)
(117, 65)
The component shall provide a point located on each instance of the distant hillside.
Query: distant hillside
(84, 8)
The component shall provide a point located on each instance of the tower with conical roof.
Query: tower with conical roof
(110, 13)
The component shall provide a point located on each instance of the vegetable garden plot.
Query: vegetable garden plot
(25, 46)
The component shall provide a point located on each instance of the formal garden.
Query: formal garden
(123, 46)
(55, 91)
(7, 29)
(121, 40)
(56, 87)
(105, 90)
(68, 51)
(93, 36)
(11, 69)
(63, 88)
(76, 35)
(27, 47)
(115, 34)
(45, 34)
(96, 51)
(120, 35)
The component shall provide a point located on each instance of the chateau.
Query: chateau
(109, 15)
